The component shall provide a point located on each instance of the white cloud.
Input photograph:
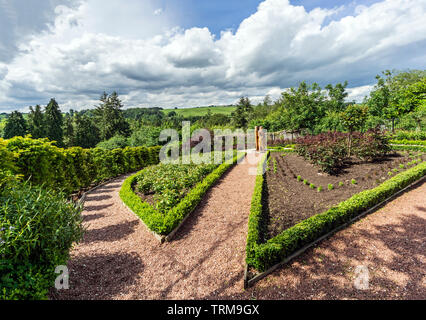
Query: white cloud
(158, 11)
(106, 46)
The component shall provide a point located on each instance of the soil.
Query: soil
(288, 201)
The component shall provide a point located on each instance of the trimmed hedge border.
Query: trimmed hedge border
(408, 148)
(263, 256)
(165, 226)
(409, 142)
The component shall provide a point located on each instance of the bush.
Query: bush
(326, 150)
(409, 142)
(37, 230)
(370, 145)
(39, 161)
(408, 135)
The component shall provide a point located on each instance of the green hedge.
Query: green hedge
(72, 169)
(409, 148)
(409, 142)
(262, 256)
(163, 224)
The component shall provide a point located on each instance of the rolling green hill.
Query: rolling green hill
(201, 111)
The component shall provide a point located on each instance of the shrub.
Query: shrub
(41, 162)
(408, 135)
(299, 178)
(305, 182)
(353, 181)
(319, 189)
(37, 230)
(341, 184)
(370, 145)
(327, 150)
(330, 187)
(312, 186)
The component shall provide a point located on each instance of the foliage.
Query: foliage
(408, 135)
(15, 125)
(328, 151)
(409, 142)
(117, 141)
(36, 123)
(53, 123)
(37, 230)
(147, 136)
(241, 115)
(164, 223)
(170, 182)
(72, 169)
(109, 117)
(263, 256)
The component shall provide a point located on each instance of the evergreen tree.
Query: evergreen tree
(86, 133)
(36, 122)
(15, 125)
(242, 114)
(69, 137)
(53, 122)
(109, 117)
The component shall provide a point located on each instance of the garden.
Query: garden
(324, 182)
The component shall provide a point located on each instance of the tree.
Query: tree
(388, 98)
(69, 135)
(86, 133)
(109, 117)
(53, 122)
(36, 122)
(241, 115)
(15, 125)
(302, 108)
(353, 118)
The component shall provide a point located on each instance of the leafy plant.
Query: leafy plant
(341, 184)
(330, 187)
(319, 189)
(353, 181)
(312, 186)
(299, 178)
(305, 182)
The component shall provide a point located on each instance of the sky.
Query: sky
(183, 53)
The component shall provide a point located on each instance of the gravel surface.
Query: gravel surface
(119, 259)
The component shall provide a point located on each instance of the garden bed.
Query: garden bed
(264, 255)
(163, 196)
(288, 200)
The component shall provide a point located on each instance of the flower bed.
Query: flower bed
(170, 215)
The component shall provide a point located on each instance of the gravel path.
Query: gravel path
(391, 243)
(119, 259)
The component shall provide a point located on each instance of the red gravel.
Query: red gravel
(119, 259)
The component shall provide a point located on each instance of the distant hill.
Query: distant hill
(201, 111)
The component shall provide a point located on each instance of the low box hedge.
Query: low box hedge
(409, 142)
(263, 256)
(164, 224)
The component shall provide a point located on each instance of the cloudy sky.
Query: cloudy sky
(185, 53)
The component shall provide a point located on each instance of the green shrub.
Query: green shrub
(37, 229)
(299, 178)
(305, 182)
(312, 186)
(353, 181)
(330, 187)
(41, 162)
(341, 184)
(409, 142)
(319, 189)
(408, 135)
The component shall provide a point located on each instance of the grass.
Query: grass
(201, 111)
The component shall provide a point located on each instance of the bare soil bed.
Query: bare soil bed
(288, 201)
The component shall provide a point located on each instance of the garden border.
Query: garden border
(255, 218)
(133, 202)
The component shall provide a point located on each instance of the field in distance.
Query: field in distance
(201, 111)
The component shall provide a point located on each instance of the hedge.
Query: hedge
(409, 142)
(263, 256)
(409, 148)
(41, 162)
(163, 224)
